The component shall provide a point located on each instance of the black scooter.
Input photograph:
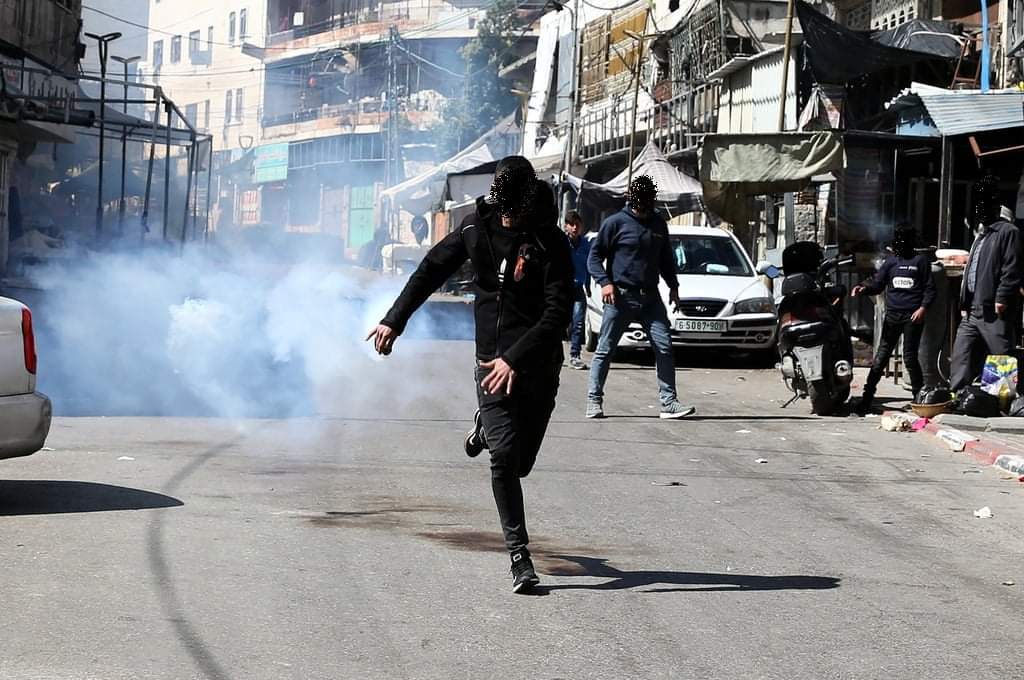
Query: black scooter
(815, 347)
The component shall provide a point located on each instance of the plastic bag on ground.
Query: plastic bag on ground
(975, 401)
(999, 378)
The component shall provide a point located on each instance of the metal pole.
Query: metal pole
(986, 52)
(785, 64)
(188, 191)
(144, 229)
(209, 190)
(167, 171)
(638, 74)
(570, 142)
(124, 156)
(103, 106)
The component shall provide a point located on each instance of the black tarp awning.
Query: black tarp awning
(838, 55)
(941, 38)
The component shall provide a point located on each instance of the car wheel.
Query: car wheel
(590, 335)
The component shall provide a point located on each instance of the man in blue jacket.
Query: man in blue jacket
(631, 252)
(580, 247)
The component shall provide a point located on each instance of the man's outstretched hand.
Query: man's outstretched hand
(383, 339)
(499, 379)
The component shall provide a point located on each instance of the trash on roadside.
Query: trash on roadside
(709, 393)
(954, 439)
(983, 513)
(126, 458)
(919, 424)
(1009, 582)
(871, 415)
(673, 483)
(999, 378)
(695, 460)
(761, 460)
(972, 471)
(897, 422)
(914, 470)
(47, 448)
(782, 439)
(741, 379)
(742, 431)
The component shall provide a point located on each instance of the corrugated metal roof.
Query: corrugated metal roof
(961, 112)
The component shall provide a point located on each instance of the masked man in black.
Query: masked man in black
(906, 279)
(989, 291)
(524, 297)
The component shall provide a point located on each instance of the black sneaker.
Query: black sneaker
(524, 576)
(864, 406)
(475, 442)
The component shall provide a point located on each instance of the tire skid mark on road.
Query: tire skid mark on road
(159, 564)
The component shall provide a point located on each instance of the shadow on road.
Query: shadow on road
(577, 565)
(37, 497)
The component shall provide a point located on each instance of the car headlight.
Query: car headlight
(755, 306)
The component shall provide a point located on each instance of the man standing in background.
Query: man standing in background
(580, 247)
(990, 288)
(631, 252)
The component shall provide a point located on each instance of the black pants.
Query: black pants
(980, 334)
(514, 427)
(894, 326)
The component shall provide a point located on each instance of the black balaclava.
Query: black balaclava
(904, 240)
(514, 188)
(985, 196)
(642, 193)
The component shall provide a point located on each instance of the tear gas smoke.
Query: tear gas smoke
(212, 333)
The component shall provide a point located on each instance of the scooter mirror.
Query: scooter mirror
(766, 268)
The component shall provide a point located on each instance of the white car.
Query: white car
(724, 303)
(24, 413)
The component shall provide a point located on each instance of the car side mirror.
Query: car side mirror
(766, 268)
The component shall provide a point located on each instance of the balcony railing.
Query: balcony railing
(387, 14)
(676, 124)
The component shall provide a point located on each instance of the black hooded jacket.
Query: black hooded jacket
(998, 277)
(523, 283)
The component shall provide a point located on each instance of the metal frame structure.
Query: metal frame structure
(177, 131)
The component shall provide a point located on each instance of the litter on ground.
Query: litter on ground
(983, 513)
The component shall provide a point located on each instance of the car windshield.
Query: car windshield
(715, 255)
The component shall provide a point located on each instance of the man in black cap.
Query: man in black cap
(990, 288)
(523, 287)
(630, 254)
(906, 279)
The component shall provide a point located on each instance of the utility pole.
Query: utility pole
(637, 74)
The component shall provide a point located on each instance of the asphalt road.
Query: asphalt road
(363, 543)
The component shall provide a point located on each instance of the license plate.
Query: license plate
(701, 326)
(809, 360)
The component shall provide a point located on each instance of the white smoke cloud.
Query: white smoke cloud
(213, 332)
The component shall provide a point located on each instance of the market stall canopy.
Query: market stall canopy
(735, 167)
(464, 186)
(677, 192)
(960, 112)
(941, 38)
(137, 129)
(831, 47)
(421, 193)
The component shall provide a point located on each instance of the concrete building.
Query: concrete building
(195, 54)
(351, 91)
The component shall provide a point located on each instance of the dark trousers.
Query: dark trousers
(895, 326)
(980, 334)
(579, 313)
(514, 427)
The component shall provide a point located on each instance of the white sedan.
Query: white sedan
(723, 302)
(24, 413)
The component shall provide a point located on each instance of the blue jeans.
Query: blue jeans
(649, 310)
(579, 313)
